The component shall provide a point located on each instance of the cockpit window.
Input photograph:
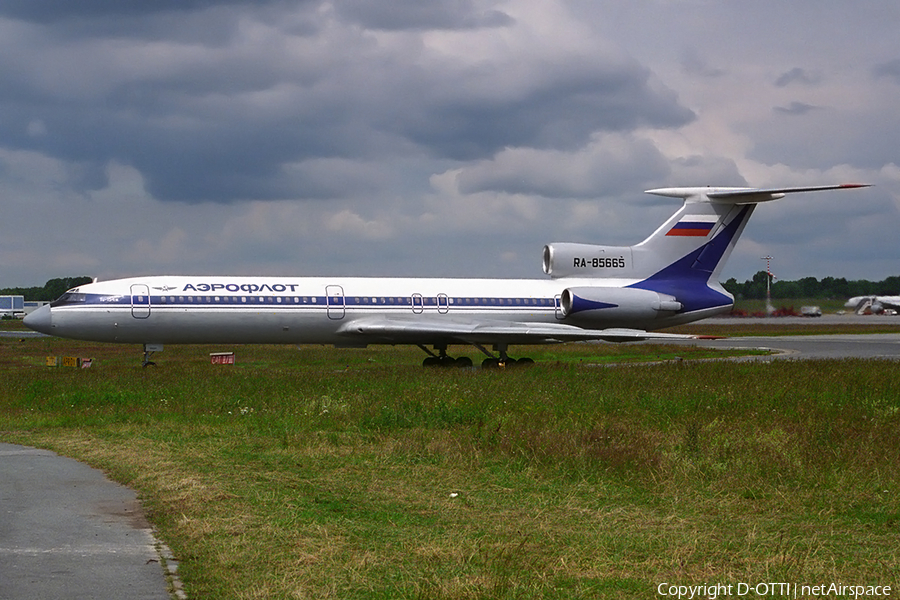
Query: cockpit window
(69, 298)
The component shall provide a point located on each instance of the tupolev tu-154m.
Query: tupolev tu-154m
(592, 292)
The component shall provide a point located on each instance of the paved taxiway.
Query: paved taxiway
(808, 347)
(66, 531)
(801, 347)
(21, 334)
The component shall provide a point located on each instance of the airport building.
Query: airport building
(12, 307)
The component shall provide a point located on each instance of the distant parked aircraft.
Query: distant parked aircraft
(876, 304)
(612, 293)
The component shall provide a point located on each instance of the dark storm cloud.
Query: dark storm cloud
(888, 70)
(50, 11)
(797, 108)
(415, 14)
(568, 105)
(239, 118)
(824, 138)
(429, 126)
(620, 166)
(206, 22)
(694, 64)
(797, 75)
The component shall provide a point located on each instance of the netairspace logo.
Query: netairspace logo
(771, 589)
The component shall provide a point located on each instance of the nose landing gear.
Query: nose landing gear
(149, 349)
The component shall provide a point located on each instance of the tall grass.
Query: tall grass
(358, 474)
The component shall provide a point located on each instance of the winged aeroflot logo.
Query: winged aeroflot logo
(165, 288)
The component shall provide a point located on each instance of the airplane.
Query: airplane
(593, 292)
(875, 304)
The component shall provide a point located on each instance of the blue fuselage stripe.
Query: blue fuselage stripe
(199, 300)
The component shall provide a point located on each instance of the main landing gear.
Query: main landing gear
(491, 362)
(498, 363)
(442, 360)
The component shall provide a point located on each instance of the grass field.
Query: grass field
(325, 473)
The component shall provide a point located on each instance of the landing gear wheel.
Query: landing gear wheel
(463, 362)
(504, 360)
(431, 361)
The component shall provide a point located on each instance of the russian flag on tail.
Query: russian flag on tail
(694, 225)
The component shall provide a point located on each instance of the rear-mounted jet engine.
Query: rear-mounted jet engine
(609, 307)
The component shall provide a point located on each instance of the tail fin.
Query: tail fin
(701, 228)
(699, 221)
(711, 220)
(692, 246)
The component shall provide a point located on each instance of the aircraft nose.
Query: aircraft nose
(39, 320)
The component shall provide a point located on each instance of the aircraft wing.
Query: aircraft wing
(420, 331)
(889, 301)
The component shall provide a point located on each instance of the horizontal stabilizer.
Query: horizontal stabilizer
(733, 195)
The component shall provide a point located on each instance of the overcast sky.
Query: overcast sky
(438, 138)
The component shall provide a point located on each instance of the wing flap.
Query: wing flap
(428, 331)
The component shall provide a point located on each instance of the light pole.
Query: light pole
(769, 308)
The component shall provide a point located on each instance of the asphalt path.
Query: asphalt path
(807, 347)
(66, 531)
(21, 334)
(884, 346)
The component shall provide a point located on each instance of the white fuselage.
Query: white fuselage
(285, 310)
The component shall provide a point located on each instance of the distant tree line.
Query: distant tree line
(810, 287)
(51, 290)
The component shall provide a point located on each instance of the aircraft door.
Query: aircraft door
(140, 301)
(335, 302)
(443, 303)
(418, 303)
